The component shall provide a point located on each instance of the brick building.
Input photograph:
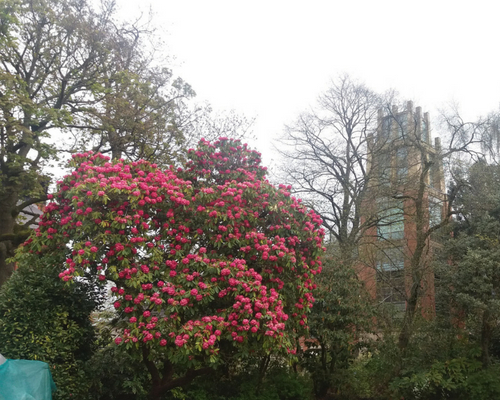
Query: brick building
(405, 198)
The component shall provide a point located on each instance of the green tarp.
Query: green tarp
(25, 380)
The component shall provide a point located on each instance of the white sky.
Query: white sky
(271, 59)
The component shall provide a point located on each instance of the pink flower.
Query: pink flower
(118, 340)
(163, 342)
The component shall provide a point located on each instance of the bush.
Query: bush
(280, 383)
(223, 261)
(42, 318)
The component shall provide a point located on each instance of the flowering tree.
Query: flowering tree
(198, 258)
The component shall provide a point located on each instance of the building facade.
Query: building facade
(405, 202)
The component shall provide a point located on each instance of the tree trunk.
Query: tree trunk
(160, 388)
(6, 269)
(417, 263)
(406, 329)
(7, 224)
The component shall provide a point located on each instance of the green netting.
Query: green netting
(25, 380)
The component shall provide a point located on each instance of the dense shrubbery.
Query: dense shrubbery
(211, 266)
(42, 318)
(246, 383)
(205, 263)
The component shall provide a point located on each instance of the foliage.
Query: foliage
(114, 374)
(339, 325)
(42, 318)
(455, 355)
(280, 383)
(460, 378)
(73, 78)
(468, 268)
(442, 380)
(442, 361)
(66, 66)
(225, 160)
(483, 384)
(224, 262)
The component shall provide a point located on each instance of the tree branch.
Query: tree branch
(20, 207)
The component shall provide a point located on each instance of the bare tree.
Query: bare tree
(325, 154)
(377, 179)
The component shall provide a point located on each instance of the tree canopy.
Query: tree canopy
(74, 78)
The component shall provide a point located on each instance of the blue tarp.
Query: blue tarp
(25, 380)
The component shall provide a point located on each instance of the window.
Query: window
(435, 211)
(391, 259)
(402, 162)
(434, 177)
(391, 220)
(391, 277)
(425, 133)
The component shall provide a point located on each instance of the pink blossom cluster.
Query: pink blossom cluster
(197, 255)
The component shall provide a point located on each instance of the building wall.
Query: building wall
(403, 200)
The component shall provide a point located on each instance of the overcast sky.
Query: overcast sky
(271, 59)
